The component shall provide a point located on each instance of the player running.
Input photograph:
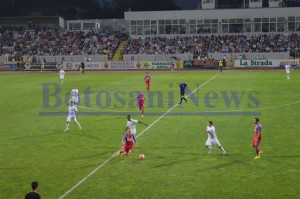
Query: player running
(257, 138)
(72, 115)
(288, 71)
(128, 142)
(62, 75)
(141, 102)
(212, 138)
(147, 79)
(183, 87)
(131, 124)
(75, 95)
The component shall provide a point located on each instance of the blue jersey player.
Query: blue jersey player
(183, 87)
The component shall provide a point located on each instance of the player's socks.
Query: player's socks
(257, 151)
(79, 125)
(209, 149)
(223, 150)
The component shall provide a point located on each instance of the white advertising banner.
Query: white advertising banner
(208, 4)
(256, 63)
(274, 3)
(122, 65)
(161, 65)
(255, 3)
(87, 66)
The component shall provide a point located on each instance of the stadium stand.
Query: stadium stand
(54, 42)
(206, 44)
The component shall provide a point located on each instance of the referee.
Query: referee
(182, 87)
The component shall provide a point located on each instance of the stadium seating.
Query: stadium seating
(54, 42)
(206, 44)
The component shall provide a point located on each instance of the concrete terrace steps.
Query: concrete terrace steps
(117, 54)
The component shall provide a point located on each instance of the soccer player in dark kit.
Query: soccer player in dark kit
(183, 87)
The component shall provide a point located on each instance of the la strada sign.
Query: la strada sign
(257, 63)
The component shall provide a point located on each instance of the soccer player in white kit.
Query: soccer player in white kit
(288, 70)
(75, 95)
(62, 75)
(72, 115)
(212, 138)
(131, 124)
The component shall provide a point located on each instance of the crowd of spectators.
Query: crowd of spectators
(59, 42)
(62, 42)
(202, 44)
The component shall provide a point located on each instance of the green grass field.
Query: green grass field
(34, 146)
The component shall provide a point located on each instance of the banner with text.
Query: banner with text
(1, 65)
(201, 64)
(37, 66)
(161, 65)
(257, 63)
(11, 66)
(292, 62)
(87, 65)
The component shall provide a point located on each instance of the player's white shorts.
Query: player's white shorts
(62, 77)
(209, 142)
(133, 131)
(70, 118)
(75, 99)
(288, 72)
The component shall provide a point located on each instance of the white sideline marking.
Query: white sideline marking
(111, 157)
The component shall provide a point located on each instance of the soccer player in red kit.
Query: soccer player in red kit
(141, 102)
(128, 142)
(257, 137)
(147, 79)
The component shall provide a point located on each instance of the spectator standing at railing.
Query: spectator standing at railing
(221, 65)
(173, 63)
(42, 63)
(224, 61)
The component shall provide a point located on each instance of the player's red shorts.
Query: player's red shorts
(256, 140)
(128, 148)
(141, 104)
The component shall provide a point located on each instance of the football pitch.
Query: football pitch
(82, 164)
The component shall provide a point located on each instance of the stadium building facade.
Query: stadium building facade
(214, 21)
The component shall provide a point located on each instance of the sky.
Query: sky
(184, 4)
(188, 4)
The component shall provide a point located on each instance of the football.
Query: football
(141, 156)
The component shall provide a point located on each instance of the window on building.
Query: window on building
(280, 24)
(291, 24)
(161, 27)
(133, 30)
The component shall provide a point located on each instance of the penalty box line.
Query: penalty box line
(148, 127)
